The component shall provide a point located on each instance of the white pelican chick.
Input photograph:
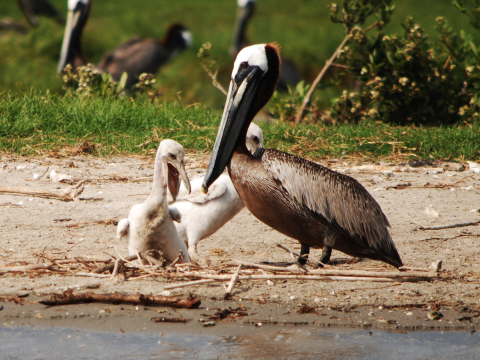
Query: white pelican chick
(150, 224)
(203, 214)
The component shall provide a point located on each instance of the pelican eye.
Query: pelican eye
(172, 156)
(255, 139)
(244, 65)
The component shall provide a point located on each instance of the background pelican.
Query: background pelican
(33, 8)
(150, 224)
(135, 56)
(203, 214)
(301, 199)
(288, 71)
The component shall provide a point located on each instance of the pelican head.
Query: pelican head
(254, 77)
(78, 11)
(254, 140)
(245, 3)
(171, 156)
(178, 37)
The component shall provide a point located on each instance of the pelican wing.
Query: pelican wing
(123, 228)
(338, 198)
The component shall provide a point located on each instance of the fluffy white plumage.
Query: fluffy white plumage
(203, 214)
(150, 224)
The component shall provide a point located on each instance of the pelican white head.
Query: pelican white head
(253, 55)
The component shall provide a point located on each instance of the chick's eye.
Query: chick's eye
(172, 156)
(255, 139)
(243, 65)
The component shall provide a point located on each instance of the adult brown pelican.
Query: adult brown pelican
(306, 201)
(288, 71)
(135, 56)
(33, 8)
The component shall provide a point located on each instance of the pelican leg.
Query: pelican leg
(304, 251)
(326, 253)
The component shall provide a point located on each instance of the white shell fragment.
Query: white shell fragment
(58, 178)
(430, 211)
(474, 167)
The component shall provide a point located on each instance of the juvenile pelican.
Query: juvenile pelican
(288, 71)
(150, 224)
(135, 56)
(306, 201)
(203, 214)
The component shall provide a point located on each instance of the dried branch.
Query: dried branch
(399, 277)
(70, 194)
(232, 282)
(450, 226)
(189, 283)
(322, 73)
(69, 298)
(214, 78)
(32, 267)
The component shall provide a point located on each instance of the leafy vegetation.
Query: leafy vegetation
(405, 78)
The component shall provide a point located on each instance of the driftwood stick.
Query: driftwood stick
(69, 298)
(92, 275)
(118, 265)
(172, 320)
(32, 267)
(189, 283)
(232, 282)
(70, 194)
(398, 278)
(449, 226)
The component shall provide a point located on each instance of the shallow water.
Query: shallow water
(293, 343)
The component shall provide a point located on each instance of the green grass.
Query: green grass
(302, 28)
(39, 123)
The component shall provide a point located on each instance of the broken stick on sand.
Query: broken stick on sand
(69, 298)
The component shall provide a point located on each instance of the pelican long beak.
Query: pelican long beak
(237, 114)
(75, 21)
(176, 171)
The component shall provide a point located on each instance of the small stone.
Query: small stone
(1, 307)
(434, 315)
(270, 282)
(39, 316)
(380, 307)
(258, 324)
(292, 297)
(210, 323)
(102, 311)
(165, 293)
(409, 313)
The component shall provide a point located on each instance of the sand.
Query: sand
(31, 227)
